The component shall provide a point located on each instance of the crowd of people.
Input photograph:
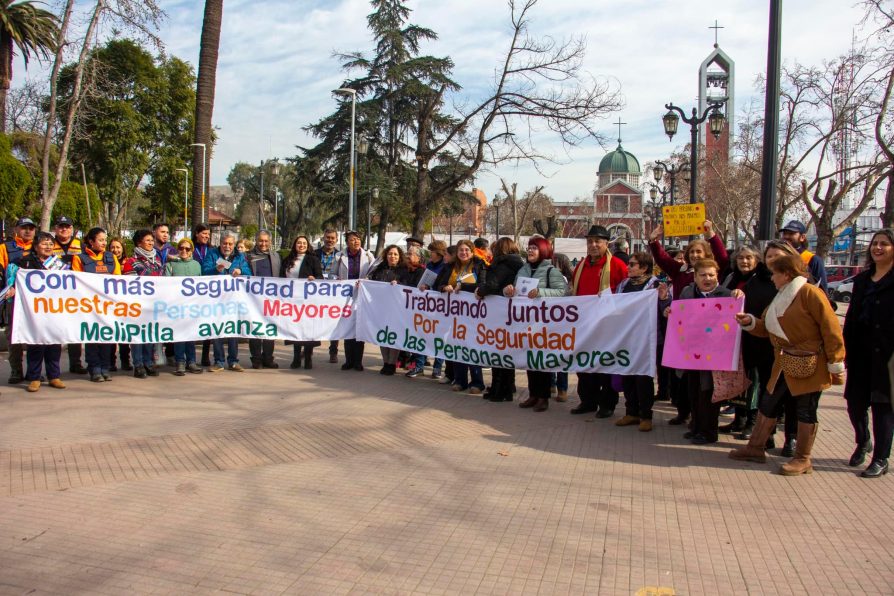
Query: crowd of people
(793, 346)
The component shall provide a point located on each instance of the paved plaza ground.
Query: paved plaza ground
(332, 482)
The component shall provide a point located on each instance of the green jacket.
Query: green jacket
(554, 286)
(177, 267)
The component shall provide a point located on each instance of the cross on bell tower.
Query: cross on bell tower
(716, 27)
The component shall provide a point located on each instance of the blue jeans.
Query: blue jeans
(232, 344)
(143, 354)
(185, 351)
(462, 373)
(560, 381)
(98, 357)
(437, 366)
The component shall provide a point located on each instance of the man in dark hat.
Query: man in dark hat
(66, 247)
(598, 272)
(411, 242)
(795, 233)
(13, 251)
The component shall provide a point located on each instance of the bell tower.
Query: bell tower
(716, 83)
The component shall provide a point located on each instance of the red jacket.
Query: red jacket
(588, 274)
(679, 273)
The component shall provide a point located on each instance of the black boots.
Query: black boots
(296, 356)
(790, 446)
(859, 455)
(876, 469)
(737, 425)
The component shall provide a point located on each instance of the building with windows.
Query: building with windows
(617, 201)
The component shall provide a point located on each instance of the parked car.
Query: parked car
(841, 272)
(843, 292)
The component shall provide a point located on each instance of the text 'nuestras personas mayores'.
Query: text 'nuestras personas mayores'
(145, 310)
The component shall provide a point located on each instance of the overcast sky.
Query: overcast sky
(276, 68)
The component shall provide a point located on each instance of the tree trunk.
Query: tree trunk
(888, 213)
(384, 215)
(419, 212)
(205, 84)
(50, 192)
(5, 74)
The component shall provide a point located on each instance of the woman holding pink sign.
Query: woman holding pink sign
(700, 383)
(808, 358)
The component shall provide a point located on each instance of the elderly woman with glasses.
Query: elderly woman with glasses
(184, 265)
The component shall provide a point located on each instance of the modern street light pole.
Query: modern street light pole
(352, 198)
(261, 217)
(715, 120)
(204, 160)
(185, 202)
(373, 195)
(274, 170)
(769, 173)
(362, 148)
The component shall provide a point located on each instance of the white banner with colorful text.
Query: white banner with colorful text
(612, 333)
(70, 307)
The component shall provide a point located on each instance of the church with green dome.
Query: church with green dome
(619, 165)
(618, 199)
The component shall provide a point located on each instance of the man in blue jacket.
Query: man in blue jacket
(225, 260)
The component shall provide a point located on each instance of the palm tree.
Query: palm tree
(32, 30)
(205, 100)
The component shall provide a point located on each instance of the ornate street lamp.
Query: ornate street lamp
(716, 123)
(658, 171)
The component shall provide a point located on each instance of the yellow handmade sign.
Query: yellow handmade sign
(684, 220)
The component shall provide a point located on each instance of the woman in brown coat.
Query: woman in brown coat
(807, 338)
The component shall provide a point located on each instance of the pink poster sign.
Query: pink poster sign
(702, 334)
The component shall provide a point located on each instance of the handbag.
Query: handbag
(797, 364)
(729, 383)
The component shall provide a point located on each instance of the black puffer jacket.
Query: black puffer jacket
(501, 273)
(479, 270)
(383, 272)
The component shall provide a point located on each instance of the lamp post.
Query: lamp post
(274, 170)
(204, 159)
(654, 204)
(352, 199)
(672, 170)
(185, 201)
(715, 120)
(261, 217)
(373, 195)
(362, 148)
